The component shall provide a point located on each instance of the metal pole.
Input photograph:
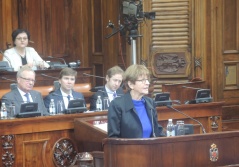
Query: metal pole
(133, 50)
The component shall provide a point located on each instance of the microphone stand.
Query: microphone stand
(58, 58)
(4, 78)
(203, 129)
(49, 76)
(92, 75)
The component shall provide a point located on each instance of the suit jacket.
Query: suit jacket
(14, 97)
(123, 120)
(102, 93)
(15, 59)
(57, 96)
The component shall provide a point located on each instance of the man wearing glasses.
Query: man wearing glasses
(23, 93)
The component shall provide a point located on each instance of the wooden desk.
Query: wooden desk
(209, 114)
(31, 140)
(183, 91)
(43, 80)
(34, 138)
(180, 151)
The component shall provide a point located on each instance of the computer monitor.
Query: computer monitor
(76, 106)
(28, 110)
(188, 128)
(4, 66)
(162, 99)
(203, 96)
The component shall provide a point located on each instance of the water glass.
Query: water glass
(12, 112)
(60, 108)
(106, 103)
(180, 128)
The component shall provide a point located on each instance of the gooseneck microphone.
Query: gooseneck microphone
(4, 78)
(203, 129)
(189, 87)
(8, 60)
(45, 75)
(92, 75)
(58, 59)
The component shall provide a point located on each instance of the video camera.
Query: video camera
(133, 15)
(134, 8)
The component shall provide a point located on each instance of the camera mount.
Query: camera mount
(133, 15)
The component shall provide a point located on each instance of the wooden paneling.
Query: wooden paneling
(225, 83)
(170, 34)
(59, 28)
(230, 30)
(211, 150)
(34, 138)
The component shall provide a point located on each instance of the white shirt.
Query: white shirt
(110, 94)
(24, 97)
(65, 99)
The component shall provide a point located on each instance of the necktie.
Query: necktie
(27, 96)
(69, 97)
(114, 95)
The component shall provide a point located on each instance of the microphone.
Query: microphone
(118, 95)
(12, 85)
(188, 87)
(4, 78)
(55, 83)
(58, 58)
(152, 123)
(45, 75)
(57, 64)
(203, 129)
(92, 75)
(10, 64)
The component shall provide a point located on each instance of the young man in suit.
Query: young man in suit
(112, 89)
(23, 93)
(65, 93)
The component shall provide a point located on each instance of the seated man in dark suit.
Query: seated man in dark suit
(112, 89)
(24, 93)
(65, 93)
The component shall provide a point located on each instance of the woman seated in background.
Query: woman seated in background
(134, 115)
(21, 55)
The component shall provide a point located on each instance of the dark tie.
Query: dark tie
(114, 95)
(27, 96)
(69, 97)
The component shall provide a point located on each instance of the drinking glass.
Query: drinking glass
(180, 128)
(106, 103)
(12, 112)
(60, 109)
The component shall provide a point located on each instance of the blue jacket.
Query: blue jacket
(123, 121)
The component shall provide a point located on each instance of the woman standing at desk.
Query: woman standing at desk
(134, 115)
(21, 55)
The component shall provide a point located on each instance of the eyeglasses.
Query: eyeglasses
(143, 81)
(28, 80)
(22, 39)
